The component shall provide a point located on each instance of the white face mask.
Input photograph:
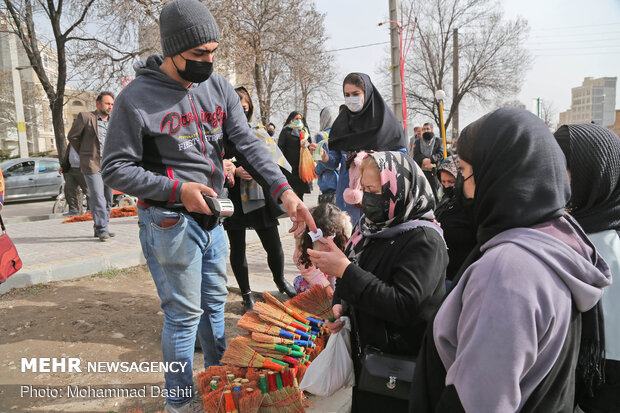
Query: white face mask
(354, 103)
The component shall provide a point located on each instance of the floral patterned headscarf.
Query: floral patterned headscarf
(409, 195)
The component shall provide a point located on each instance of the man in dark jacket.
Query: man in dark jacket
(165, 146)
(74, 180)
(87, 136)
(428, 153)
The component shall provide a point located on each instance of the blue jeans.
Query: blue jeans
(188, 266)
(100, 197)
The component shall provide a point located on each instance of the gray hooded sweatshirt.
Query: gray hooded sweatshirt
(162, 134)
(502, 328)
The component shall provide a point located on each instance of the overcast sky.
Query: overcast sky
(568, 40)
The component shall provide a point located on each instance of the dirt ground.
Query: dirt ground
(107, 317)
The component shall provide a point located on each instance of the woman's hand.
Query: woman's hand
(312, 146)
(335, 326)
(329, 259)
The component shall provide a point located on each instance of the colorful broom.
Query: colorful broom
(314, 301)
(250, 401)
(252, 322)
(302, 316)
(278, 314)
(258, 346)
(302, 334)
(238, 354)
(306, 166)
(266, 338)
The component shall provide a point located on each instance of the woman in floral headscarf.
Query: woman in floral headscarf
(391, 275)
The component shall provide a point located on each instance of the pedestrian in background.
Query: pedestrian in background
(327, 175)
(593, 161)
(271, 129)
(428, 153)
(417, 134)
(170, 165)
(88, 137)
(74, 181)
(254, 209)
(456, 223)
(366, 123)
(294, 136)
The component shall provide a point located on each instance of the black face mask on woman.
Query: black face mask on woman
(466, 203)
(375, 207)
(195, 71)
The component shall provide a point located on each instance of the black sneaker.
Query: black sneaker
(110, 234)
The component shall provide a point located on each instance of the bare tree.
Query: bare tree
(492, 59)
(548, 113)
(67, 20)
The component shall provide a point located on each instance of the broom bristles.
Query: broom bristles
(274, 312)
(266, 338)
(299, 316)
(250, 401)
(316, 301)
(238, 354)
(252, 322)
(278, 323)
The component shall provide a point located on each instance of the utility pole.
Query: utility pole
(455, 83)
(395, 45)
(22, 138)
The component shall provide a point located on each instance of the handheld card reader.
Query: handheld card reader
(220, 207)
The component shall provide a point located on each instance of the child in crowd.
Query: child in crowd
(333, 222)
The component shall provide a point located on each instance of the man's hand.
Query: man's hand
(191, 196)
(243, 174)
(330, 260)
(299, 213)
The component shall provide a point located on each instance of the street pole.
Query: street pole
(22, 138)
(440, 95)
(455, 83)
(397, 64)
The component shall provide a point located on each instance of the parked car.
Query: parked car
(30, 178)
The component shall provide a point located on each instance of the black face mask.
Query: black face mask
(271, 132)
(448, 192)
(466, 203)
(375, 207)
(195, 71)
(428, 136)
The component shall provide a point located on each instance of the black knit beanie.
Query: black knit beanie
(185, 24)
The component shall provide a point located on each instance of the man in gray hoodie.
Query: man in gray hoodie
(165, 145)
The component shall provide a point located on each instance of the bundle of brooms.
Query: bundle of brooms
(284, 338)
(115, 213)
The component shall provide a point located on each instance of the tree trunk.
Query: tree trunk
(58, 123)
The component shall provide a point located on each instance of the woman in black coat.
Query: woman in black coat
(254, 209)
(390, 292)
(294, 135)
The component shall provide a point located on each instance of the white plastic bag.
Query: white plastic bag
(333, 368)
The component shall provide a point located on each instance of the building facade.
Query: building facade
(593, 101)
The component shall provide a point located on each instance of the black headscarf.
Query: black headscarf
(375, 127)
(521, 180)
(519, 170)
(290, 118)
(593, 158)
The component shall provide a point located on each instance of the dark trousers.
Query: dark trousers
(270, 238)
(74, 179)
